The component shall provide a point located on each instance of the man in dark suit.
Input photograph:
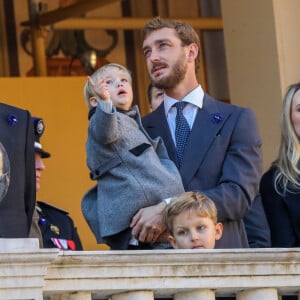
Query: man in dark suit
(17, 205)
(222, 155)
(256, 224)
(51, 225)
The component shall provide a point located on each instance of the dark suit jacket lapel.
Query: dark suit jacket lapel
(201, 138)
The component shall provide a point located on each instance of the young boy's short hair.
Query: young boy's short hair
(188, 201)
(88, 90)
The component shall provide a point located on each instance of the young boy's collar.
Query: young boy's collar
(130, 112)
(91, 112)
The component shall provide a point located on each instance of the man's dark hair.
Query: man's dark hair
(185, 32)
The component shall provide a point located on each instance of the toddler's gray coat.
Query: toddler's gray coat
(132, 171)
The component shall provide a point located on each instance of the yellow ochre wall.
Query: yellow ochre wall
(59, 101)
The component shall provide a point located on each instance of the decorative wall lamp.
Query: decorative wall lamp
(67, 51)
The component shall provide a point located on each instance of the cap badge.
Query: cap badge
(40, 127)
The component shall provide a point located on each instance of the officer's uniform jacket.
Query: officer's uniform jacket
(57, 228)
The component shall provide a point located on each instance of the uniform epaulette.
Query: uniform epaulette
(46, 205)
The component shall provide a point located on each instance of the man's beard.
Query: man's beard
(177, 74)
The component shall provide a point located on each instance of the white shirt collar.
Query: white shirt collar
(195, 97)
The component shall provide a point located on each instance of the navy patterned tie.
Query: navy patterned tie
(182, 130)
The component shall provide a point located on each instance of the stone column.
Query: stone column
(204, 294)
(136, 295)
(257, 294)
(262, 54)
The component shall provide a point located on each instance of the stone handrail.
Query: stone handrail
(27, 272)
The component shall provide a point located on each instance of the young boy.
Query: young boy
(132, 170)
(191, 220)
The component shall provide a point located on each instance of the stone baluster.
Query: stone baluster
(203, 294)
(72, 296)
(258, 294)
(134, 295)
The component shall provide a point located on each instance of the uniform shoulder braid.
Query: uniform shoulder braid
(46, 205)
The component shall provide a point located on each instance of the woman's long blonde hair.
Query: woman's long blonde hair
(287, 162)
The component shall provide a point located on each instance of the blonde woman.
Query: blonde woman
(280, 185)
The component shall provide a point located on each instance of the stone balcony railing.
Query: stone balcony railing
(27, 272)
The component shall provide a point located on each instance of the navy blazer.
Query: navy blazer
(17, 137)
(283, 212)
(222, 159)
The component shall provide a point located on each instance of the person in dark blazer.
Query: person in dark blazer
(256, 224)
(17, 139)
(51, 225)
(280, 185)
(222, 157)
